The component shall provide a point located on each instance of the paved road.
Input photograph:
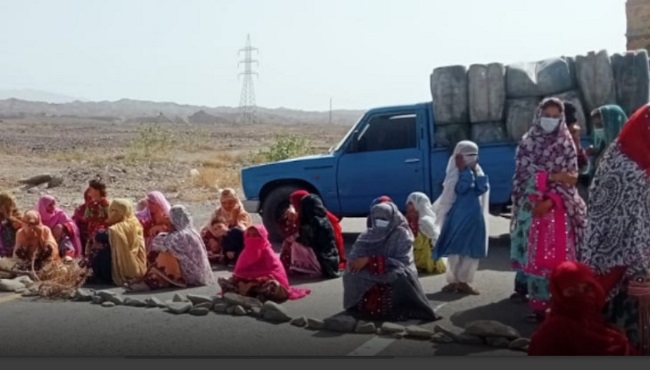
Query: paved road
(43, 328)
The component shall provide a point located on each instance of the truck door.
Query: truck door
(383, 157)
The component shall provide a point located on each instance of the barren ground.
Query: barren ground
(134, 159)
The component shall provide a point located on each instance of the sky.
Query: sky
(359, 53)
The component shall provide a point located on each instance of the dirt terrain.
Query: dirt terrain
(136, 158)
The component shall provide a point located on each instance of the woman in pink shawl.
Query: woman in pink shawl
(259, 272)
(64, 229)
(549, 216)
(155, 218)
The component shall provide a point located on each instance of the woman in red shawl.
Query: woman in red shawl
(575, 325)
(259, 273)
(95, 211)
(291, 225)
(78, 218)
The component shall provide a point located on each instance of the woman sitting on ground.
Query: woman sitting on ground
(155, 218)
(177, 259)
(422, 221)
(64, 229)
(314, 252)
(259, 272)
(78, 218)
(381, 281)
(34, 241)
(10, 223)
(224, 234)
(292, 227)
(120, 255)
(575, 325)
(95, 211)
(382, 199)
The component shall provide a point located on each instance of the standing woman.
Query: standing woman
(607, 121)
(549, 216)
(617, 242)
(422, 222)
(463, 209)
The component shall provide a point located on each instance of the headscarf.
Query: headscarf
(382, 199)
(393, 241)
(618, 233)
(236, 216)
(126, 239)
(258, 260)
(613, 118)
(79, 212)
(59, 217)
(552, 152)
(8, 207)
(186, 244)
(426, 215)
(39, 238)
(468, 149)
(317, 232)
(297, 196)
(575, 325)
(635, 138)
(159, 199)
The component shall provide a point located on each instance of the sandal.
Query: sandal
(449, 288)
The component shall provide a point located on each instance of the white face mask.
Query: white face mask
(549, 124)
(382, 223)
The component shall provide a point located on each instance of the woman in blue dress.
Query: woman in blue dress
(462, 210)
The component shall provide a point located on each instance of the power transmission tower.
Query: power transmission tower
(247, 99)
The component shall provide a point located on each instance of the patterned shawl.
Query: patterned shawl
(619, 211)
(186, 244)
(393, 242)
(552, 152)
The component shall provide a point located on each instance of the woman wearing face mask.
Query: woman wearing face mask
(462, 211)
(381, 281)
(608, 121)
(549, 216)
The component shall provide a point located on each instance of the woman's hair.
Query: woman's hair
(99, 186)
(553, 103)
(570, 113)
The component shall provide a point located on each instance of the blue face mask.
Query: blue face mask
(599, 137)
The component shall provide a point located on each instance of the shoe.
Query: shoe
(465, 288)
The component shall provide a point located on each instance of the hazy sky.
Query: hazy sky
(361, 53)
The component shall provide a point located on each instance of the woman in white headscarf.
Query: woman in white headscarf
(462, 213)
(422, 221)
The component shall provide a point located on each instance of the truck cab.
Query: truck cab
(390, 151)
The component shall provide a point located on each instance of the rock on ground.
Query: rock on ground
(179, 298)
(199, 311)
(239, 311)
(441, 338)
(520, 344)
(11, 285)
(274, 312)
(108, 304)
(207, 305)
(365, 328)
(238, 300)
(390, 328)
(134, 302)
(154, 302)
(198, 299)
(220, 308)
(97, 300)
(441, 329)
(315, 324)
(497, 342)
(418, 332)
(230, 310)
(341, 324)
(299, 321)
(83, 295)
(490, 328)
(179, 308)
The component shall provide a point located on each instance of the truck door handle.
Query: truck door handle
(412, 160)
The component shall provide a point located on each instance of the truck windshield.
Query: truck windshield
(345, 138)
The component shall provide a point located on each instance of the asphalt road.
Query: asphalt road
(35, 327)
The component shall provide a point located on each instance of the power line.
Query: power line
(247, 99)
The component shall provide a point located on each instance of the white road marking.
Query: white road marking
(376, 344)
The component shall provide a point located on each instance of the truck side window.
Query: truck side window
(392, 132)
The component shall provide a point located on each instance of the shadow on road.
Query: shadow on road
(445, 297)
(505, 311)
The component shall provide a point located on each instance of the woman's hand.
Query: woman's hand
(358, 264)
(542, 208)
(460, 162)
(566, 178)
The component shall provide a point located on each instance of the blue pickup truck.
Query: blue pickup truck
(389, 151)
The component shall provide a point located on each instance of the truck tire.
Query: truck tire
(274, 206)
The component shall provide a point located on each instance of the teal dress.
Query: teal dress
(522, 220)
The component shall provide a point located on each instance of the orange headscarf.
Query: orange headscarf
(34, 236)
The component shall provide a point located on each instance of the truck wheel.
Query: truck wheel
(275, 204)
